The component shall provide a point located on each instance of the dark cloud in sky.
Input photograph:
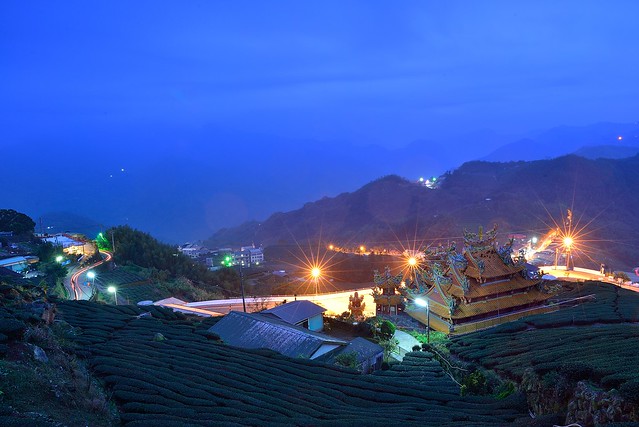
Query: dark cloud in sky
(153, 76)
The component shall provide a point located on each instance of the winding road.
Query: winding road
(76, 290)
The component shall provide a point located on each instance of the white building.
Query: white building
(193, 250)
(256, 256)
(18, 263)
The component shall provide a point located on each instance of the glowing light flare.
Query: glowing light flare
(412, 261)
(316, 272)
(421, 302)
(331, 247)
(619, 138)
(111, 289)
(568, 241)
(362, 248)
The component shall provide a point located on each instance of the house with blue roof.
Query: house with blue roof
(301, 313)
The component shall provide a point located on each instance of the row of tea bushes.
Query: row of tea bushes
(597, 340)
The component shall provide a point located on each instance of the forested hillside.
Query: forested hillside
(523, 197)
(164, 262)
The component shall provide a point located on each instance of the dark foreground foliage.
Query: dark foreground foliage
(164, 369)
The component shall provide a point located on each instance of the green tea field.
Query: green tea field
(164, 370)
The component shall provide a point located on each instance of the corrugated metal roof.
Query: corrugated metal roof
(363, 348)
(253, 330)
(296, 311)
(13, 260)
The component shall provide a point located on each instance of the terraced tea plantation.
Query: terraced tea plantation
(597, 341)
(183, 377)
(131, 287)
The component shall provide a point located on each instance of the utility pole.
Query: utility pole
(569, 241)
(242, 286)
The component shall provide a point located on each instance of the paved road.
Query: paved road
(579, 274)
(79, 290)
(335, 303)
(406, 343)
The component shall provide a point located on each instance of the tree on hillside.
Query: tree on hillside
(386, 330)
(165, 261)
(621, 276)
(19, 223)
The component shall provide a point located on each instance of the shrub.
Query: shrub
(505, 390)
(475, 383)
(348, 359)
(630, 390)
(387, 330)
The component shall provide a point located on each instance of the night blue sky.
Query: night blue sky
(346, 73)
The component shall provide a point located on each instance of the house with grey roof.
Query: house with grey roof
(368, 355)
(256, 330)
(301, 313)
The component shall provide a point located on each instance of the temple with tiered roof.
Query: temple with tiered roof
(479, 287)
(387, 293)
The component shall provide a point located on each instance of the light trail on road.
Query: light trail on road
(74, 279)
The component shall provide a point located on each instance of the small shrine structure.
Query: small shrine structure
(356, 306)
(386, 293)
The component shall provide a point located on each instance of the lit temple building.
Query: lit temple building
(479, 287)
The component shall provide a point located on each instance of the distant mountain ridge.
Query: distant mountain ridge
(518, 196)
(565, 140)
(181, 184)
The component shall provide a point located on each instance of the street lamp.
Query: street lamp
(568, 241)
(91, 275)
(59, 258)
(315, 273)
(242, 286)
(114, 291)
(412, 261)
(424, 303)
